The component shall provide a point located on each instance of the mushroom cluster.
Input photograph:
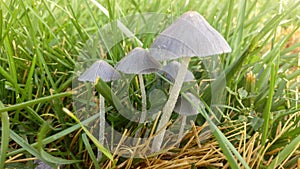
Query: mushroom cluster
(189, 36)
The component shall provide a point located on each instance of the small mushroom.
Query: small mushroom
(103, 70)
(190, 35)
(139, 61)
(41, 165)
(171, 70)
(185, 108)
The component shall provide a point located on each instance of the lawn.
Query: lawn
(246, 100)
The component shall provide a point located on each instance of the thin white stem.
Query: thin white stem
(169, 106)
(144, 101)
(183, 123)
(101, 124)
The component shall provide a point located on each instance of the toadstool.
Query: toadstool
(103, 70)
(190, 35)
(139, 61)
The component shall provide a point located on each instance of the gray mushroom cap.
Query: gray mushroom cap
(184, 107)
(138, 61)
(171, 69)
(190, 35)
(102, 70)
(41, 165)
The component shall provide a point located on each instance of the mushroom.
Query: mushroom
(185, 108)
(190, 35)
(41, 165)
(139, 61)
(171, 70)
(103, 70)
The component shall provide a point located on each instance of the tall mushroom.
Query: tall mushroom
(190, 35)
(103, 70)
(139, 61)
(183, 107)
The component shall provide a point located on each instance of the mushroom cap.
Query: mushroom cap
(138, 61)
(190, 35)
(184, 107)
(102, 70)
(171, 69)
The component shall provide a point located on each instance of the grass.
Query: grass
(41, 46)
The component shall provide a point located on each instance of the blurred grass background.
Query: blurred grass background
(41, 40)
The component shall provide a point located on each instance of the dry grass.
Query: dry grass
(199, 148)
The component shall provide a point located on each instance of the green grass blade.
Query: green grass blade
(105, 91)
(34, 116)
(4, 136)
(225, 149)
(36, 101)
(65, 85)
(226, 146)
(90, 151)
(238, 36)
(75, 22)
(1, 24)
(293, 75)
(111, 5)
(23, 143)
(99, 146)
(7, 76)
(48, 157)
(11, 61)
(286, 152)
(55, 160)
(224, 143)
(29, 81)
(267, 111)
(229, 19)
(90, 135)
(42, 134)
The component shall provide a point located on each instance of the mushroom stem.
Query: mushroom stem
(169, 106)
(183, 123)
(144, 101)
(101, 124)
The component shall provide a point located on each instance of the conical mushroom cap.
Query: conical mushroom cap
(190, 35)
(102, 70)
(171, 69)
(138, 61)
(184, 107)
